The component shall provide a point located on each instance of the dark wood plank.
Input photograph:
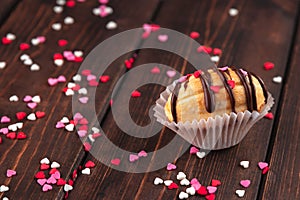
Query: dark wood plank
(246, 42)
(35, 18)
(5, 8)
(284, 161)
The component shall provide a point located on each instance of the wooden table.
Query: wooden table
(262, 31)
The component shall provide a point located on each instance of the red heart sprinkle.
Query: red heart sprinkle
(70, 182)
(44, 166)
(76, 88)
(96, 135)
(269, 115)
(21, 136)
(52, 171)
(202, 191)
(87, 146)
(210, 197)
(61, 181)
(93, 83)
(6, 41)
(197, 73)
(172, 186)
(62, 43)
(89, 164)
(205, 49)
(194, 35)
(217, 51)
(135, 94)
(84, 121)
(11, 135)
(74, 174)
(86, 72)
(128, 64)
(231, 83)
(40, 175)
(40, 114)
(70, 3)
(268, 65)
(58, 56)
(215, 182)
(83, 128)
(265, 170)
(78, 59)
(21, 115)
(104, 78)
(24, 46)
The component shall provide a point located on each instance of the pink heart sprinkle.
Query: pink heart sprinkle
(78, 116)
(244, 72)
(52, 81)
(61, 79)
(142, 153)
(171, 73)
(116, 161)
(83, 100)
(51, 180)
(91, 77)
(32, 105)
(147, 27)
(171, 166)
(133, 157)
(194, 150)
(245, 183)
(56, 175)
(68, 54)
(46, 188)
(42, 181)
(195, 183)
(82, 133)
(163, 38)
(41, 39)
(223, 68)
(215, 89)
(27, 98)
(182, 79)
(5, 119)
(211, 189)
(60, 125)
(10, 173)
(4, 130)
(262, 165)
(103, 1)
(155, 70)
(103, 12)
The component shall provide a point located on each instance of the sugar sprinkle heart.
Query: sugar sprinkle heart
(10, 173)
(135, 94)
(211, 189)
(163, 38)
(34, 67)
(191, 190)
(115, 161)
(183, 195)
(111, 25)
(195, 183)
(194, 35)
(240, 193)
(245, 164)
(262, 165)
(31, 117)
(32, 105)
(277, 79)
(45, 161)
(2, 64)
(83, 100)
(194, 150)
(142, 153)
(202, 191)
(69, 20)
(185, 182)
(5, 119)
(171, 73)
(51, 180)
(268, 65)
(158, 181)
(52, 81)
(55, 165)
(233, 12)
(269, 115)
(180, 176)
(70, 127)
(133, 157)
(168, 182)
(89, 164)
(200, 154)
(56, 26)
(86, 171)
(171, 166)
(245, 183)
(41, 182)
(4, 188)
(155, 70)
(215, 182)
(47, 187)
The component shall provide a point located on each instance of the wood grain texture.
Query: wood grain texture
(35, 18)
(247, 40)
(283, 180)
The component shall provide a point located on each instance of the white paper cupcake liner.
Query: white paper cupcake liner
(215, 133)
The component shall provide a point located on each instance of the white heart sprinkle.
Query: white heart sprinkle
(60, 2)
(181, 176)
(78, 53)
(245, 163)
(240, 193)
(36, 99)
(55, 165)
(184, 182)
(59, 62)
(58, 9)
(45, 161)
(5, 198)
(158, 181)
(65, 120)
(233, 12)
(69, 20)
(31, 117)
(111, 25)
(35, 41)
(24, 57)
(86, 171)
(69, 92)
(215, 59)
(82, 91)
(95, 130)
(2, 65)
(28, 62)
(12, 127)
(90, 136)
(183, 195)
(68, 187)
(10, 36)
(56, 26)
(70, 127)
(96, 11)
(200, 154)
(35, 67)
(14, 98)
(77, 78)
(190, 190)
(4, 188)
(19, 125)
(109, 10)
(71, 85)
(168, 182)
(277, 79)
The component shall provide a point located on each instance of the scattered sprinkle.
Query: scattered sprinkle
(233, 12)
(268, 65)
(277, 79)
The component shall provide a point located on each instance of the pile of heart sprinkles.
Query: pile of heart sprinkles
(193, 186)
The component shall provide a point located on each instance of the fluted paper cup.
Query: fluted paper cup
(215, 133)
